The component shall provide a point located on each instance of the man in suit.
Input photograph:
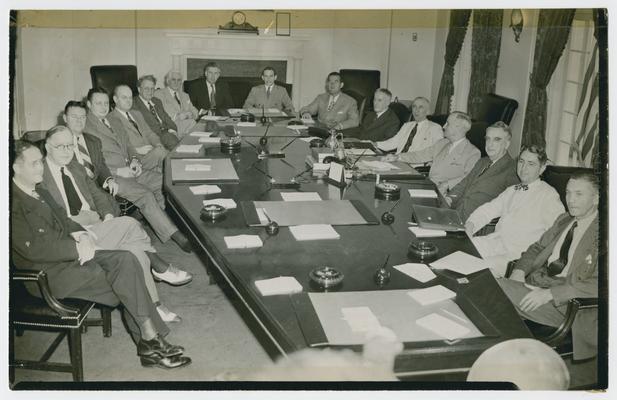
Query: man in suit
(140, 185)
(380, 124)
(208, 93)
(132, 124)
(85, 203)
(561, 265)
(153, 112)
(452, 157)
(489, 177)
(45, 239)
(525, 212)
(415, 135)
(334, 108)
(269, 95)
(177, 104)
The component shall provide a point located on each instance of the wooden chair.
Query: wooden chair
(47, 313)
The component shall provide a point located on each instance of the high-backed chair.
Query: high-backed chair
(402, 112)
(364, 82)
(558, 177)
(360, 101)
(496, 108)
(110, 76)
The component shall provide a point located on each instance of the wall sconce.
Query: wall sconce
(516, 23)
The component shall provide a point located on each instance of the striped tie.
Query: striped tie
(132, 121)
(155, 114)
(81, 152)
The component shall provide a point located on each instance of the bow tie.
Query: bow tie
(521, 186)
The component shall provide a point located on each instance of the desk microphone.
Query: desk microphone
(264, 140)
(264, 120)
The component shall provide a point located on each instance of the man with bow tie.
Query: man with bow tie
(525, 212)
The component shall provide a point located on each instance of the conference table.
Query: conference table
(285, 321)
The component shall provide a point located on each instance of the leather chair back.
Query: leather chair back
(364, 82)
(496, 108)
(558, 177)
(402, 112)
(110, 76)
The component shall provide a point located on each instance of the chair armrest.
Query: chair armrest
(40, 277)
(585, 302)
(574, 305)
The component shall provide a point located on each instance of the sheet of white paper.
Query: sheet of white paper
(205, 189)
(360, 319)
(262, 216)
(358, 152)
(313, 232)
(419, 272)
(236, 110)
(430, 295)
(424, 193)
(460, 262)
(243, 241)
(273, 110)
(320, 167)
(188, 148)
(424, 233)
(298, 128)
(377, 165)
(201, 134)
(308, 139)
(227, 203)
(336, 172)
(210, 140)
(197, 167)
(300, 196)
(247, 124)
(279, 285)
(443, 326)
(213, 118)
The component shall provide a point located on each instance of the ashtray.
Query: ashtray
(422, 249)
(212, 212)
(387, 191)
(230, 145)
(326, 277)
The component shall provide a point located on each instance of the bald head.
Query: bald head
(123, 97)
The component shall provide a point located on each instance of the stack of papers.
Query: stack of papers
(433, 294)
(243, 242)
(424, 233)
(313, 232)
(460, 262)
(213, 118)
(424, 193)
(201, 134)
(227, 203)
(188, 148)
(198, 167)
(443, 326)
(377, 165)
(300, 196)
(209, 140)
(247, 124)
(205, 189)
(360, 319)
(420, 272)
(280, 285)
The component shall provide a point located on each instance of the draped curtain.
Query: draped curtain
(552, 35)
(456, 35)
(485, 49)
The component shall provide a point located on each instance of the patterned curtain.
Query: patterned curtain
(552, 36)
(485, 49)
(456, 35)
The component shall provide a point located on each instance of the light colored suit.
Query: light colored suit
(344, 111)
(278, 98)
(174, 109)
(427, 134)
(116, 148)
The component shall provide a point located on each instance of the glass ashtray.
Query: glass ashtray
(326, 276)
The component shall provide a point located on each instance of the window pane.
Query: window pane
(577, 35)
(574, 67)
(569, 97)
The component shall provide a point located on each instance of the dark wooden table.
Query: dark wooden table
(358, 253)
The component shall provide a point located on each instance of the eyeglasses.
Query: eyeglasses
(65, 147)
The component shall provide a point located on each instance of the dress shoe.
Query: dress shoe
(158, 346)
(165, 362)
(182, 241)
(167, 315)
(173, 276)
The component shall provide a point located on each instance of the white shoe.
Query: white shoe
(173, 276)
(167, 315)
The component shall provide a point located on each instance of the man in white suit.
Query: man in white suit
(269, 95)
(178, 104)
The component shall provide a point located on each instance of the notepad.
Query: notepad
(423, 193)
(247, 124)
(277, 286)
(433, 294)
(197, 167)
(443, 326)
(313, 232)
(426, 233)
(188, 148)
(360, 319)
(460, 262)
(209, 140)
(300, 196)
(377, 165)
(201, 134)
(227, 203)
(243, 241)
(420, 272)
(205, 189)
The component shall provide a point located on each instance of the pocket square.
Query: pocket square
(588, 259)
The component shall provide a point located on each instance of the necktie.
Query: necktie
(410, 139)
(153, 111)
(132, 121)
(521, 186)
(331, 103)
(559, 264)
(71, 193)
(212, 97)
(177, 99)
(268, 89)
(106, 123)
(486, 167)
(81, 152)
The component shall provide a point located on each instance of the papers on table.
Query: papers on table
(430, 295)
(213, 118)
(236, 111)
(227, 203)
(209, 140)
(377, 165)
(261, 214)
(359, 152)
(297, 127)
(188, 148)
(243, 241)
(205, 189)
(247, 124)
(419, 272)
(308, 139)
(320, 167)
(313, 232)
(423, 193)
(424, 233)
(460, 262)
(197, 167)
(300, 196)
(279, 285)
(443, 326)
(360, 319)
(201, 134)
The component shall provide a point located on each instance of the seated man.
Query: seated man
(209, 94)
(415, 135)
(153, 112)
(452, 157)
(177, 104)
(44, 239)
(269, 95)
(334, 108)
(525, 212)
(380, 124)
(131, 123)
(141, 186)
(489, 177)
(84, 202)
(561, 265)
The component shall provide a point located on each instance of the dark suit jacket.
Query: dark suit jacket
(168, 139)
(197, 90)
(581, 279)
(475, 189)
(95, 150)
(376, 129)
